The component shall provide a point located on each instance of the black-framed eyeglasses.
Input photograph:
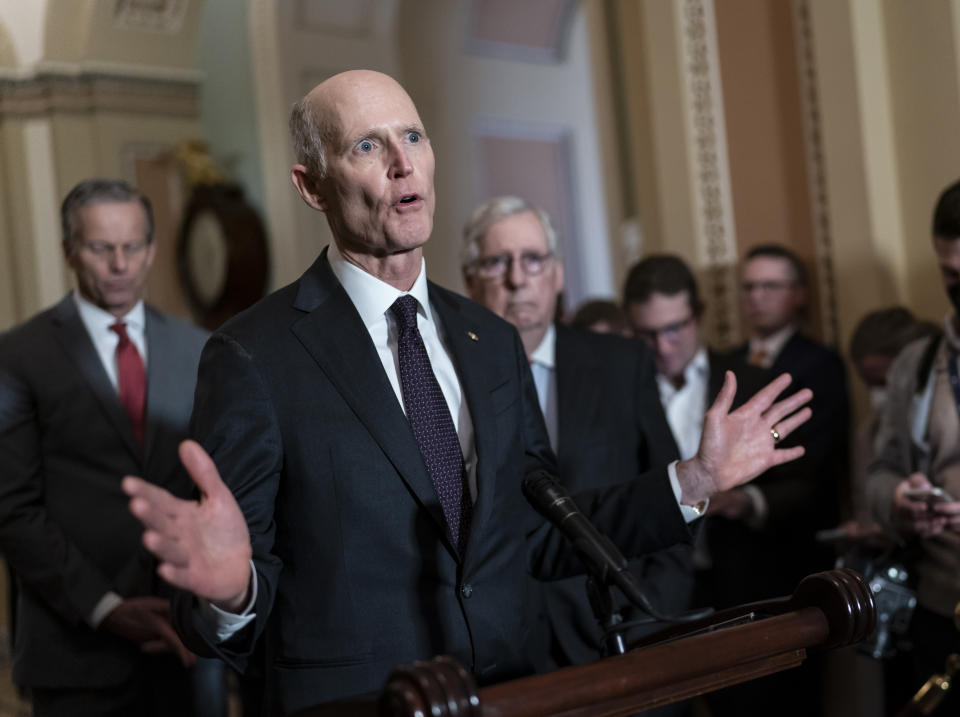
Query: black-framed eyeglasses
(670, 332)
(495, 267)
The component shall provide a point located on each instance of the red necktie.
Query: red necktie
(131, 380)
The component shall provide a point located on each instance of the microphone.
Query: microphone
(552, 500)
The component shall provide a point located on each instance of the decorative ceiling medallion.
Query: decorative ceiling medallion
(156, 15)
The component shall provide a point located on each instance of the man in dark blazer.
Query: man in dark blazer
(336, 531)
(93, 633)
(599, 402)
(774, 294)
(755, 542)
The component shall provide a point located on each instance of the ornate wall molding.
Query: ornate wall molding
(45, 93)
(710, 171)
(816, 171)
(164, 16)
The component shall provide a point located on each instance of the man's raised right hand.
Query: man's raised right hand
(204, 546)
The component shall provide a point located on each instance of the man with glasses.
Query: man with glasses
(597, 396)
(96, 387)
(755, 539)
(774, 294)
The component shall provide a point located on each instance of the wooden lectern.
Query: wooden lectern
(829, 609)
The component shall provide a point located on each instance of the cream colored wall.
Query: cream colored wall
(456, 90)
(290, 56)
(85, 98)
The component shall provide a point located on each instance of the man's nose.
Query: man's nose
(663, 346)
(400, 164)
(118, 260)
(515, 275)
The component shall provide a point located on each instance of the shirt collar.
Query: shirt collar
(694, 374)
(773, 344)
(93, 315)
(546, 352)
(698, 366)
(373, 297)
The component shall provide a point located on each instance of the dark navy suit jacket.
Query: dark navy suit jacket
(355, 570)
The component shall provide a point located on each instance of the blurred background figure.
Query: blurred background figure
(913, 486)
(877, 339)
(601, 316)
(756, 541)
(774, 299)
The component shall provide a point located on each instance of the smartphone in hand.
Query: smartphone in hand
(932, 494)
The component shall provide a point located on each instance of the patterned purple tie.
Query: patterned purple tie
(432, 425)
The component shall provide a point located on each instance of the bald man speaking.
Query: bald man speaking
(369, 432)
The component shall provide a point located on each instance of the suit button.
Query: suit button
(466, 590)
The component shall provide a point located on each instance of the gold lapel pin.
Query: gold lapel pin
(472, 336)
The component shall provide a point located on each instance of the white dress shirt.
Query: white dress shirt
(543, 367)
(97, 322)
(686, 406)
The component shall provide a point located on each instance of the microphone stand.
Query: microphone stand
(601, 602)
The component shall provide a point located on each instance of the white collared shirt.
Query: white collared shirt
(685, 407)
(373, 299)
(543, 368)
(771, 346)
(97, 323)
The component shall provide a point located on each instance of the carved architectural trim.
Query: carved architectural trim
(45, 93)
(710, 171)
(164, 16)
(816, 171)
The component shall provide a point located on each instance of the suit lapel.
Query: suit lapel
(352, 365)
(466, 345)
(77, 344)
(576, 399)
(161, 400)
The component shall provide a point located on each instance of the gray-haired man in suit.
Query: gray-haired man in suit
(98, 386)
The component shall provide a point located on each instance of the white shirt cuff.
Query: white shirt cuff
(229, 624)
(689, 512)
(104, 607)
(759, 503)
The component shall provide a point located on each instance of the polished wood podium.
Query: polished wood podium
(827, 610)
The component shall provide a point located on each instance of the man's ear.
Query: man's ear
(307, 187)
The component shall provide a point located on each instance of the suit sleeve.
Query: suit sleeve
(36, 547)
(235, 421)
